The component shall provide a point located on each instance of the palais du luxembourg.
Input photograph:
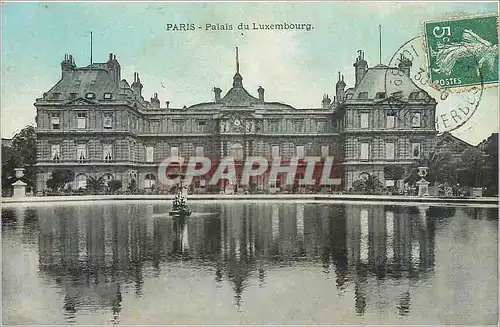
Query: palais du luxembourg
(96, 123)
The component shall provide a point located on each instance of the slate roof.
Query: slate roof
(384, 79)
(84, 80)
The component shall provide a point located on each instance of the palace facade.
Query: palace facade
(96, 124)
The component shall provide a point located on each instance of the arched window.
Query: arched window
(237, 151)
(149, 181)
(81, 181)
(107, 178)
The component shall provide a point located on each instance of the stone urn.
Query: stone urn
(19, 172)
(19, 186)
(423, 185)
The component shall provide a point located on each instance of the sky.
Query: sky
(296, 67)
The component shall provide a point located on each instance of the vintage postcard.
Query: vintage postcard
(249, 163)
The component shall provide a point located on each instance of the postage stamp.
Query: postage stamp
(462, 52)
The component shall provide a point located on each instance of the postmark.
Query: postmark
(462, 51)
(408, 70)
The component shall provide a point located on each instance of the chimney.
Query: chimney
(261, 93)
(404, 65)
(67, 65)
(217, 92)
(361, 66)
(114, 68)
(339, 89)
(155, 102)
(326, 102)
(137, 86)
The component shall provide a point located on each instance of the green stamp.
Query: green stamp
(462, 52)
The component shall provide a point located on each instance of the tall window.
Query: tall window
(416, 120)
(300, 151)
(56, 152)
(364, 120)
(275, 151)
(198, 151)
(154, 126)
(81, 181)
(389, 150)
(108, 121)
(108, 152)
(365, 148)
(107, 178)
(178, 126)
(81, 152)
(201, 126)
(390, 121)
(237, 151)
(415, 150)
(298, 126)
(55, 121)
(174, 151)
(325, 151)
(321, 126)
(81, 120)
(275, 128)
(149, 154)
(149, 181)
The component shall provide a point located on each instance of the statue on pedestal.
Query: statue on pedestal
(180, 207)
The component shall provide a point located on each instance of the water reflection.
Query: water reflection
(95, 253)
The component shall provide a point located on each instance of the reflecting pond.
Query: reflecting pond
(249, 263)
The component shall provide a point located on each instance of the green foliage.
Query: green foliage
(368, 184)
(22, 154)
(59, 178)
(393, 172)
(441, 169)
(132, 186)
(10, 160)
(472, 163)
(96, 184)
(114, 185)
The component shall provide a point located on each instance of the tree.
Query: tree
(21, 154)
(59, 178)
(95, 184)
(24, 144)
(393, 172)
(114, 185)
(367, 184)
(472, 164)
(490, 172)
(10, 160)
(132, 186)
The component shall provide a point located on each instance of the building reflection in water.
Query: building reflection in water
(96, 253)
